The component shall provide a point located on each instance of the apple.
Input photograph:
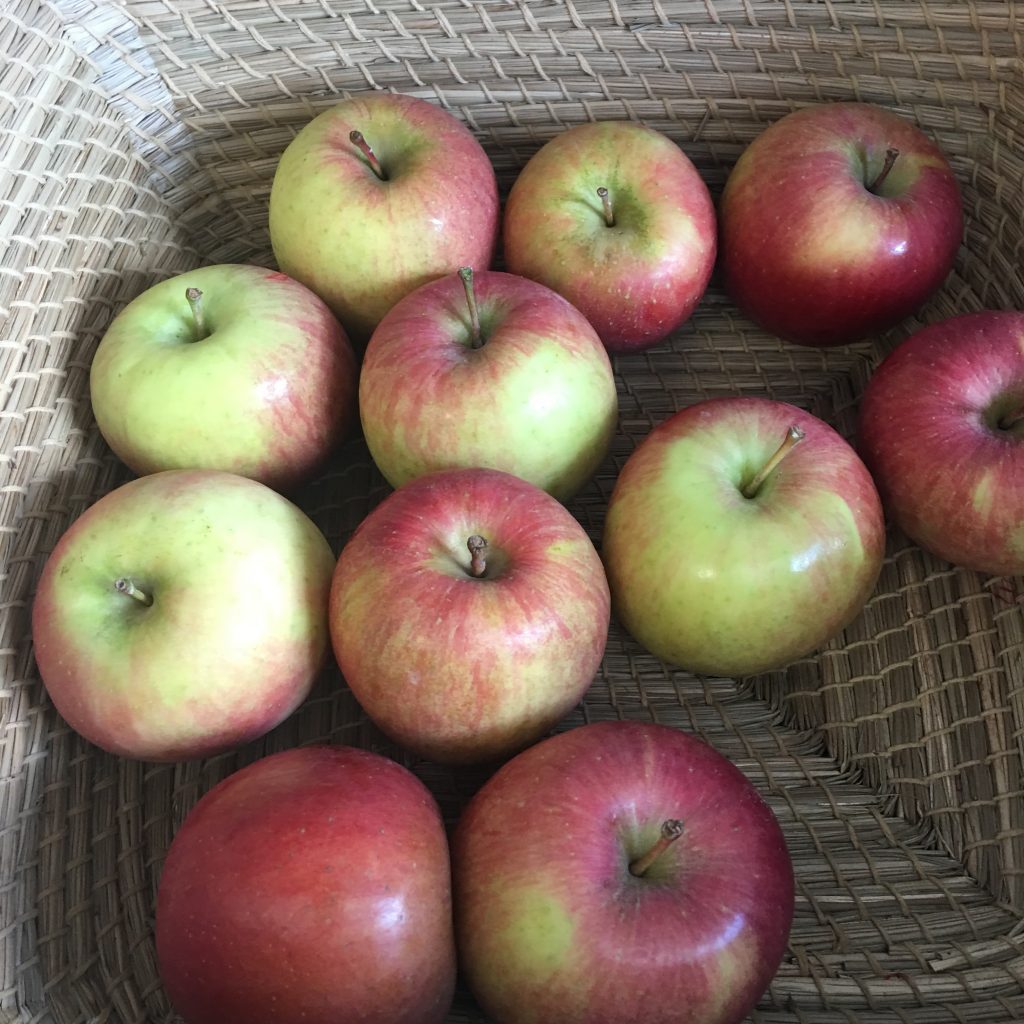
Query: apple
(182, 614)
(226, 367)
(491, 370)
(838, 222)
(311, 887)
(741, 534)
(469, 612)
(620, 873)
(615, 217)
(376, 196)
(942, 431)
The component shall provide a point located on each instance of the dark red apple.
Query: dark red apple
(837, 222)
(942, 431)
(620, 873)
(312, 887)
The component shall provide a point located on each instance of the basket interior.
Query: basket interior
(141, 139)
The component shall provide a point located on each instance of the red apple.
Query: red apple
(469, 613)
(311, 887)
(528, 389)
(838, 222)
(615, 217)
(942, 430)
(376, 196)
(741, 534)
(620, 873)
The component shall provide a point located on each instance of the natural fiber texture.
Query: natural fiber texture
(139, 139)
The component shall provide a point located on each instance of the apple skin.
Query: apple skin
(268, 393)
(460, 669)
(552, 926)
(949, 476)
(310, 887)
(236, 633)
(638, 280)
(813, 256)
(726, 585)
(362, 243)
(537, 399)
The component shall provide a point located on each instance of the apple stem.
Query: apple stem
(195, 303)
(793, 437)
(606, 204)
(671, 830)
(466, 273)
(890, 159)
(125, 586)
(359, 141)
(477, 559)
(1011, 419)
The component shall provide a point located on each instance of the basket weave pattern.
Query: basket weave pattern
(139, 139)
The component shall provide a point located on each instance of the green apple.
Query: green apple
(183, 614)
(227, 367)
(741, 534)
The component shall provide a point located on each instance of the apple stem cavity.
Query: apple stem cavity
(466, 273)
(671, 830)
(890, 159)
(359, 141)
(123, 585)
(477, 555)
(195, 302)
(793, 437)
(1011, 419)
(606, 205)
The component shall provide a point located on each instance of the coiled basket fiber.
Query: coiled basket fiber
(139, 139)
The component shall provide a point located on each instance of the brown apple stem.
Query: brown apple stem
(671, 830)
(606, 204)
(1011, 419)
(125, 586)
(477, 558)
(359, 141)
(890, 159)
(466, 273)
(195, 303)
(793, 437)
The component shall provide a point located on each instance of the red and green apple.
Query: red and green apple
(469, 613)
(310, 887)
(376, 196)
(228, 367)
(741, 534)
(615, 217)
(838, 222)
(620, 873)
(183, 614)
(488, 370)
(942, 431)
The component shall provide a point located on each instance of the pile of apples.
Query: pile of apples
(611, 874)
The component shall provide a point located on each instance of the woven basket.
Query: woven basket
(139, 140)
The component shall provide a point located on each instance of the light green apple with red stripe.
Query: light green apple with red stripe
(183, 614)
(742, 533)
(229, 367)
(469, 613)
(376, 196)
